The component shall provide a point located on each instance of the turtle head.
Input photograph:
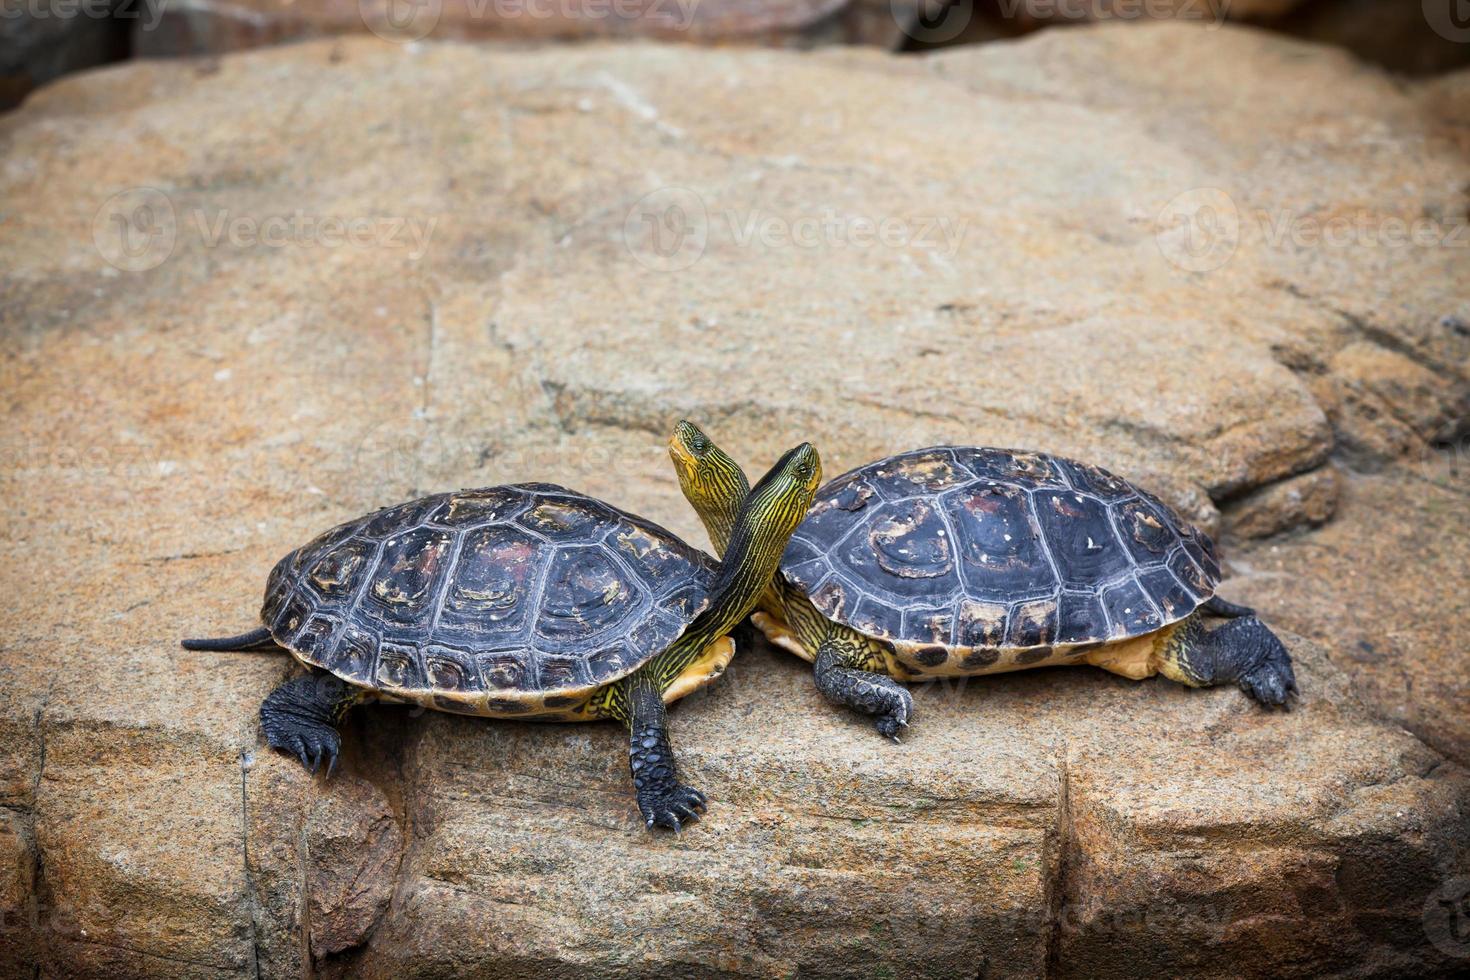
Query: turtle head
(766, 519)
(780, 501)
(712, 482)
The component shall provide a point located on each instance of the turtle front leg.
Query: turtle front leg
(1242, 651)
(662, 799)
(301, 717)
(863, 690)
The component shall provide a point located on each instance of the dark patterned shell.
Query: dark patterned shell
(505, 599)
(992, 548)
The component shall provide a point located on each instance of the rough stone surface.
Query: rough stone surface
(1384, 582)
(1307, 499)
(556, 256)
(191, 27)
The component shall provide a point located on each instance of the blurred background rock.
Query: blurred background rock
(44, 39)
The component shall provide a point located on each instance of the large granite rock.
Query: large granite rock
(1379, 28)
(237, 314)
(189, 27)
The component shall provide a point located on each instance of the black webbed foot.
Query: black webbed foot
(1246, 652)
(670, 806)
(892, 721)
(879, 695)
(1272, 681)
(662, 799)
(301, 716)
(313, 748)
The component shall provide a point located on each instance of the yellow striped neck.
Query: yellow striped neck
(751, 557)
(716, 493)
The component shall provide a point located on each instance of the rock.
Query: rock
(18, 917)
(1308, 499)
(489, 265)
(343, 846)
(193, 27)
(1031, 14)
(1383, 582)
(1386, 404)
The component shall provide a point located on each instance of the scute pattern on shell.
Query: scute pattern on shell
(997, 549)
(488, 601)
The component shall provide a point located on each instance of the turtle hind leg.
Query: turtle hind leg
(861, 690)
(1243, 651)
(301, 717)
(254, 640)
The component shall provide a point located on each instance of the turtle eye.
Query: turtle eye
(699, 444)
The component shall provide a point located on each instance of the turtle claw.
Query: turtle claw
(299, 718)
(311, 749)
(671, 807)
(891, 724)
(869, 693)
(890, 727)
(1245, 651)
(1271, 682)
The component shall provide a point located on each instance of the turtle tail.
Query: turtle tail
(254, 640)
(1217, 606)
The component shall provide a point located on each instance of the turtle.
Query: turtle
(960, 560)
(526, 601)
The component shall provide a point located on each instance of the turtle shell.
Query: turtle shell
(503, 600)
(962, 547)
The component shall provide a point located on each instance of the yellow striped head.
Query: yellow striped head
(713, 483)
(788, 488)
